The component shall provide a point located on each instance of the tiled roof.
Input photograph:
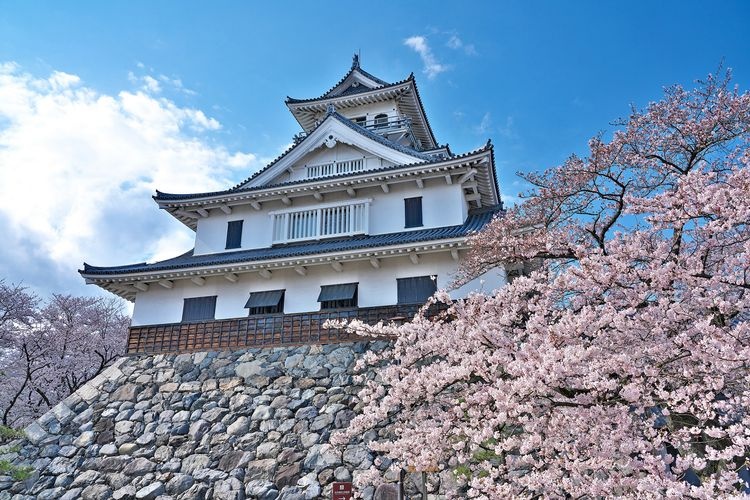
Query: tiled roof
(324, 97)
(160, 196)
(476, 221)
(346, 121)
(353, 90)
(385, 87)
(355, 67)
(379, 138)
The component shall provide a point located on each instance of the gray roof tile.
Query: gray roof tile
(477, 220)
(427, 158)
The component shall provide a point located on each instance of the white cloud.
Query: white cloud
(151, 84)
(78, 168)
(432, 67)
(485, 125)
(455, 43)
(508, 130)
(177, 84)
(154, 84)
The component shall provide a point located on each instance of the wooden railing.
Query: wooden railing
(262, 330)
(323, 221)
(387, 124)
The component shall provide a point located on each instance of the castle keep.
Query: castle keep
(364, 216)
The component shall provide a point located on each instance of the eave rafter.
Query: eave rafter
(188, 211)
(127, 285)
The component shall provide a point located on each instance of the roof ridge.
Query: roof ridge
(384, 86)
(355, 67)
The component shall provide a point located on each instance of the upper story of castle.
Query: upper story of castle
(392, 110)
(364, 179)
(365, 163)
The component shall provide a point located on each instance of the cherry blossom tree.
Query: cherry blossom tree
(621, 364)
(49, 351)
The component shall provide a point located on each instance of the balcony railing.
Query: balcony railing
(334, 168)
(263, 330)
(392, 126)
(324, 221)
(389, 124)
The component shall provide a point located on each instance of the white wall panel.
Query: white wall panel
(377, 287)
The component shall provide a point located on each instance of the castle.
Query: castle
(364, 216)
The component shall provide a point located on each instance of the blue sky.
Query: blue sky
(103, 102)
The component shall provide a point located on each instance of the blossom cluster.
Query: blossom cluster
(620, 365)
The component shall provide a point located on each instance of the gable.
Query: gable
(326, 161)
(334, 131)
(354, 83)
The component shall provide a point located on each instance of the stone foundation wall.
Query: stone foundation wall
(226, 425)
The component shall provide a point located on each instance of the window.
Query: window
(360, 120)
(338, 296)
(416, 290)
(199, 309)
(234, 234)
(381, 120)
(413, 212)
(268, 302)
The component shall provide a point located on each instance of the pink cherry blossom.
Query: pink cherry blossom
(619, 364)
(47, 351)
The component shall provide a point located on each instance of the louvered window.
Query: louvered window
(234, 234)
(413, 212)
(267, 302)
(199, 309)
(338, 296)
(416, 290)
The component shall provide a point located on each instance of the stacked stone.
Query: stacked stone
(225, 425)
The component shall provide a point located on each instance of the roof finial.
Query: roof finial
(330, 109)
(355, 61)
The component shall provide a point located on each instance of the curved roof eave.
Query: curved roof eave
(162, 196)
(292, 103)
(188, 261)
(355, 67)
(367, 133)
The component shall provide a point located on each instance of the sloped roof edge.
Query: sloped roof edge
(163, 196)
(477, 220)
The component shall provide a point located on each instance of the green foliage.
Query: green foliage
(19, 473)
(8, 433)
(463, 470)
(483, 454)
(10, 449)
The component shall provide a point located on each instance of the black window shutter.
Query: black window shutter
(199, 308)
(413, 212)
(234, 234)
(338, 296)
(416, 290)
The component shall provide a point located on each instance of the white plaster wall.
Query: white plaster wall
(377, 287)
(486, 283)
(442, 205)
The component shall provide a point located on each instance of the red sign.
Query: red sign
(342, 491)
